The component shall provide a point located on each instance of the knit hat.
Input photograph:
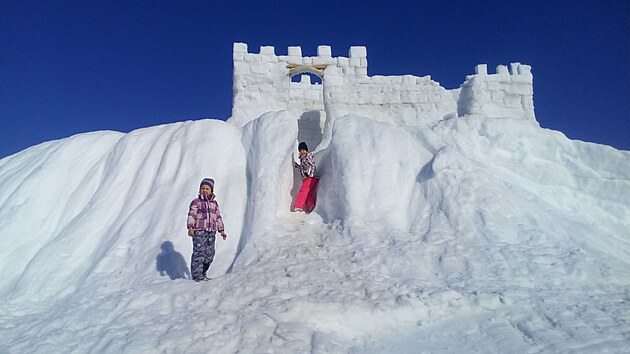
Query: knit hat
(208, 182)
(302, 146)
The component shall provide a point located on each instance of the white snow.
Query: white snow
(470, 233)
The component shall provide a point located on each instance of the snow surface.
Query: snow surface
(469, 235)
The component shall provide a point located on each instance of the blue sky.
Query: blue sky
(69, 67)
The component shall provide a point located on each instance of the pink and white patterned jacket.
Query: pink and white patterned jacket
(307, 166)
(204, 214)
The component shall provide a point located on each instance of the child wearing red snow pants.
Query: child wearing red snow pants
(307, 195)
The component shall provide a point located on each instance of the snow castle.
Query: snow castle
(262, 83)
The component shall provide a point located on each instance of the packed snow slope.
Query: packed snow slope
(468, 235)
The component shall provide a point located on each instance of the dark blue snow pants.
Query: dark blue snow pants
(203, 253)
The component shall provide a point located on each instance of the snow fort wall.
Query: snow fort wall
(405, 99)
(262, 83)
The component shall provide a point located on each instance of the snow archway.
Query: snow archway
(307, 94)
(296, 69)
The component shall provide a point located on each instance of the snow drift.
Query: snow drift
(466, 235)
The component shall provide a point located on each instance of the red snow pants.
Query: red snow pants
(307, 195)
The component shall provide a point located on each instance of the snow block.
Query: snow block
(269, 50)
(295, 51)
(358, 52)
(502, 70)
(324, 51)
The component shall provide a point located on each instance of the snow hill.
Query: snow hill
(472, 234)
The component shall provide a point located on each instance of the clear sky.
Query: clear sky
(68, 67)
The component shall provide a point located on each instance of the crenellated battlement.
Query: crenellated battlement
(357, 56)
(262, 82)
(516, 69)
(509, 92)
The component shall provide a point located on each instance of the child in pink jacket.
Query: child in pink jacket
(204, 220)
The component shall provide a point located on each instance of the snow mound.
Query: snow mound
(471, 234)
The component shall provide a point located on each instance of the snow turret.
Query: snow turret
(504, 94)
